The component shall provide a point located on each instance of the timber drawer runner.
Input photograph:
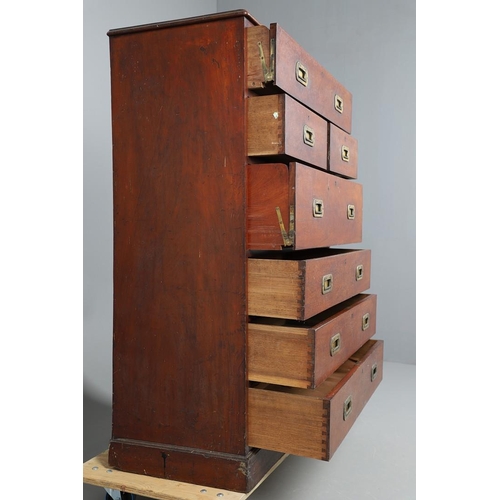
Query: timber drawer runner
(301, 207)
(304, 354)
(275, 58)
(279, 125)
(313, 422)
(298, 285)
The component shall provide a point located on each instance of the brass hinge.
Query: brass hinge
(268, 72)
(288, 238)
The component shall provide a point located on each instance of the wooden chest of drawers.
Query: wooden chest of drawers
(238, 333)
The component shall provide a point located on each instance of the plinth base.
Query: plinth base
(98, 472)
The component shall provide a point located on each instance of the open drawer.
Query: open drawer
(295, 206)
(304, 353)
(313, 422)
(275, 59)
(298, 285)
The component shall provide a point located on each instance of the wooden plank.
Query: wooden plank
(279, 420)
(275, 288)
(257, 43)
(282, 355)
(96, 472)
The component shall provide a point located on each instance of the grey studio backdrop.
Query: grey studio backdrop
(369, 46)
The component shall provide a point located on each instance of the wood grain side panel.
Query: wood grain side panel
(349, 324)
(342, 162)
(257, 44)
(275, 288)
(280, 355)
(179, 236)
(266, 125)
(342, 267)
(322, 87)
(267, 187)
(359, 386)
(287, 423)
(334, 227)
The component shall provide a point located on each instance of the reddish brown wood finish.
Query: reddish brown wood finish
(298, 354)
(341, 162)
(179, 332)
(295, 188)
(237, 473)
(322, 87)
(288, 285)
(276, 126)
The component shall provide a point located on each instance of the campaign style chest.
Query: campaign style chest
(241, 331)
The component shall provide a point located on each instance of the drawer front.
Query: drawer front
(343, 153)
(277, 125)
(273, 56)
(313, 422)
(304, 354)
(302, 284)
(300, 207)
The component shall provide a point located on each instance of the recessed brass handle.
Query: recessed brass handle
(339, 103)
(347, 407)
(365, 323)
(374, 372)
(308, 136)
(301, 73)
(359, 272)
(351, 212)
(327, 284)
(344, 153)
(334, 344)
(318, 208)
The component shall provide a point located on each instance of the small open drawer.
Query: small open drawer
(313, 422)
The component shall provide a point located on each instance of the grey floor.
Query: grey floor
(375, 461)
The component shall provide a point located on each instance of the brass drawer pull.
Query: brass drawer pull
(351, 212)
(365, 324)
(374, 372)
(339, 103)
(334, 344)
(301, 74)
(344, 153)
(359, 272)
(327, 284)
(347, 407)
(308, 136)
(318, 208)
